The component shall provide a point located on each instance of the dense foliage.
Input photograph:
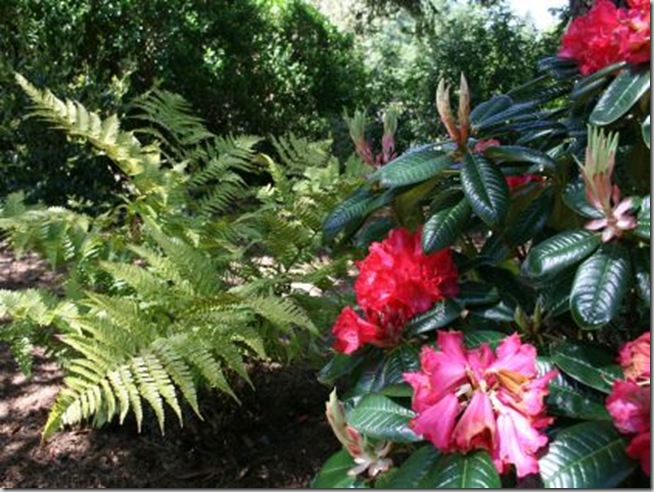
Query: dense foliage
(250, 66)
(528, 357)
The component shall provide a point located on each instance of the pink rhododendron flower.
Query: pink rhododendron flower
(396, 281)
(607, 34)
(630, 401)
(482, 399)
(635, 358)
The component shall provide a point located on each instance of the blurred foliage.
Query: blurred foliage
(252, 66)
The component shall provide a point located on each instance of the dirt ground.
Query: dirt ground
(277, 438)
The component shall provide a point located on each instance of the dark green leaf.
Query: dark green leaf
(531, 220)
(599, 286)
(559, 252)
(489, 108)
(556, 294)
(485, 188)
(574, 197)
(439, 316)
(500, 313)
(414, 166)
(647, 131)
(374, 230)
(644, 219)
(380, 417)
(474, 338)
(458, 471)
(351, 209)
(477, 293)
(571, 399)
(589, 85)
(333, 473)
(586, 455)
(414, 469)
(643, 268)
(588, 364)
(514, 153)
(386, 372)
(625, 90)
(340, 365)
(444, 227)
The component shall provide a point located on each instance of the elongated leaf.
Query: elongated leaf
(647, 131)
(515, 153)
(439, 316)
(493, 106)
(499, 313)
(556, 295)
(569, 398)
(559, 252)
(474, 338)
(477, 294)
(486, 189)
(444, 227)
(340, 365)
(531, 220)
(333, 474)
(587, 364)
(414, 166)
(599, 287)
(643, 268)
(586, 455)
(574, 197)
(351, 209)
(380, 417)
(590, 84)
(414, 469)
(463, 471)
(625, 90)
(386, 372)
(644, 219)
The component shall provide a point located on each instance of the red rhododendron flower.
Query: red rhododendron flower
(482, 399)
(396, 281)
(607, 34)
(630, 401)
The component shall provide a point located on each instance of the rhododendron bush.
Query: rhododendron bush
(499, 333)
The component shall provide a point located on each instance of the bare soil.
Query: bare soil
(276, 438)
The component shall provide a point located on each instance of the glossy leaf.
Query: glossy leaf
(463, 471)
(556, 294)
(499, 313)
(599, 286)
(559, 252)
(489, 108)
(387, 371)
(569, 398)
(625, 90)
(380, 417)
(531, 220)
(414, 166)
(444, 227)
(588, 364)
(586, 455)
(515, 153)
(340, 365)
(644, 219)
(486, 189)
(590, 84)
(333, 474)
(440, 315)
(647, 131)
(414, 469)
(574, 197)
(351, 209)
(642, 267)
(474, 338)
(477, 293)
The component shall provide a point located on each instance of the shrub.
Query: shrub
(541, 197)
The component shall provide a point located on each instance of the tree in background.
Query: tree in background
(252, 66)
